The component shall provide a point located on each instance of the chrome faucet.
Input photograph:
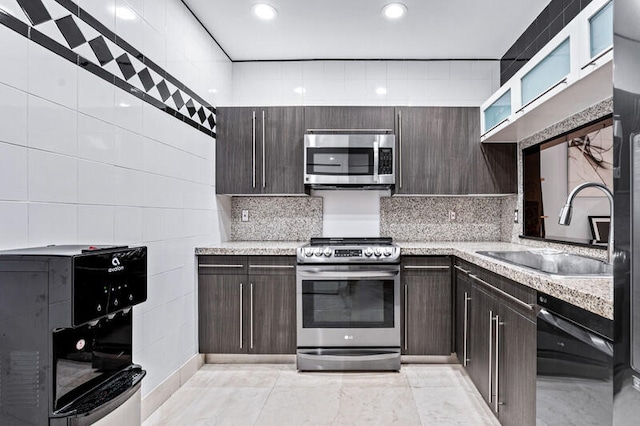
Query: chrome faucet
(567, 210)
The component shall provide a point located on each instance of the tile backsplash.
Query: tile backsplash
(276, 218)
(477, 218)
(428, 218)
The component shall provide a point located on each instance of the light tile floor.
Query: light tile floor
(276, 394)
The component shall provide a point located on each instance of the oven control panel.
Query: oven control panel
(347, 252)
(371, 254)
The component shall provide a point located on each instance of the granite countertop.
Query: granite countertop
(253, 248)
(592, 294)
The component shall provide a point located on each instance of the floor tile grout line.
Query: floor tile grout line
(255, 423)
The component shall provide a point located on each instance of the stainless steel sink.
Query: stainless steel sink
(554, 263)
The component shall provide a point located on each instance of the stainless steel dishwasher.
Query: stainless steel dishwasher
(574, 384)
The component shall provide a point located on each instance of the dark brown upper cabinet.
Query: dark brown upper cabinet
(259, 150)
(439, 152)
(349, 117)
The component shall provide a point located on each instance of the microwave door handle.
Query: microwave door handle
(376, 159)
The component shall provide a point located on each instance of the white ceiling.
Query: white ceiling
(355, 29)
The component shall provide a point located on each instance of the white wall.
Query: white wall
(351, 213)
(82, 161)
(425, 83)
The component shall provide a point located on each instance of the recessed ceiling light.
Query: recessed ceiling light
(125, 13)
(212, 91)
(264, 11)
(381, 90)
(300, 90)
(394, 10)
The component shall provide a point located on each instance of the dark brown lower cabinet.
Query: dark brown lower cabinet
(501, 342)
(482, 309)
(274, 315)
(254, 312)
(426, 305)
(220, 313)
(516, 368)
(462, 306)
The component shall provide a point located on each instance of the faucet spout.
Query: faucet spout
(566, 212)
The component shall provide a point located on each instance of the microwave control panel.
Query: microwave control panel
(385, 161)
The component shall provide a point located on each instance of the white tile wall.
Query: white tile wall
(13, 173)
(96, 139)
(52, 127)
(96, 97)
(425, 83)
(13, 115)
(350, 213)
(13, 67)
(51, 77)
(82, 161)
(52, 177)
(15, 223)
(52, 223)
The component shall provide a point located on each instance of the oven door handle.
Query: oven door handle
(320, 273)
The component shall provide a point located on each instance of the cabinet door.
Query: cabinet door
(433, 144)
(492, 168)
(349, 117)
(272, 314)
(516, 369)
(462, 306)
(482, 310)
(220, 313)
(282, 150)
(237, 152)
(440, 153)
(427, 314)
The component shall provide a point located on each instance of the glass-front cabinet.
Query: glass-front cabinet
(563, 73)
(498, 111)
(601, 31)
(551, 70)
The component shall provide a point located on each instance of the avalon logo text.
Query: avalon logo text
(116, 265)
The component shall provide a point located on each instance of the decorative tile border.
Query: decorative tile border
(70, 32)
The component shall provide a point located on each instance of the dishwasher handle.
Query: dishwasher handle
(576, 331)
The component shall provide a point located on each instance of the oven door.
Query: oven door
(348, 306)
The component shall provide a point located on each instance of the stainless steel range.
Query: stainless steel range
(348, 304)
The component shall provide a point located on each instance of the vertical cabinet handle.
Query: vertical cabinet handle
(241, 291)
(253, 149)
(264, 173)
(406, 298)
(490, 356)
(400, 149)
(251, 316)
(497, 402)
(465, 329)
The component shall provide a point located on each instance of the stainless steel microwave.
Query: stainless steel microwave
(349, 160)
